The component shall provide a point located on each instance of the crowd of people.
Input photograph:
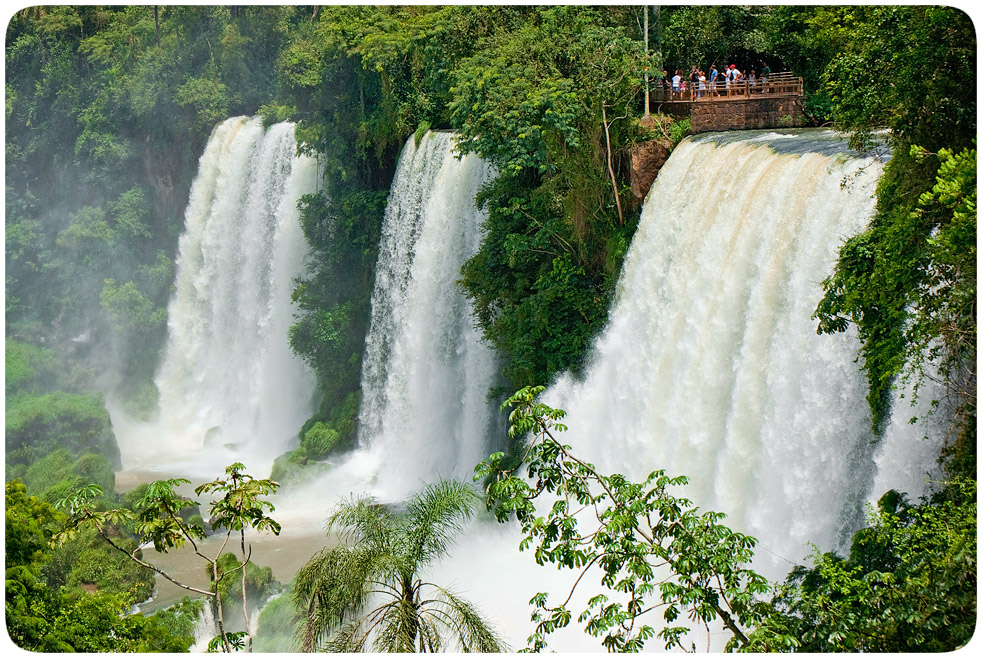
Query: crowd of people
(729, 81)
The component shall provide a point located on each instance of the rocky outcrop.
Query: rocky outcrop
(647, 159)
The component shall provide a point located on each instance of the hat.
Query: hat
(732, 66)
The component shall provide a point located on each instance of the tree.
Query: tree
(383, 555)
(44, 618)
(909, 583)
(908, 282)
(158, 519)
(653, 548)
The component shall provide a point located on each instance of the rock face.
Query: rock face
(646, 159)
(779, 112)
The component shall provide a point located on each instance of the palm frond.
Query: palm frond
(382, 560)
(435, 516)
(399, 629)
(465, 623)
(350, 637)
(362, 520)
(329, 587)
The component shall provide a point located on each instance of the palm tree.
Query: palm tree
(377, 565)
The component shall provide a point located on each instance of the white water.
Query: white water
(426, 373)
(230, 387)
(710, 366)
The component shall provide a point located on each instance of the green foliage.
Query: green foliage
(206, 101)
(546, 104)
(333, 298)
(36, 426)
(46, 618)
(924, 91)
(652, 548)
(678, 130)
(257, 579)
(909, 583)
(30, 523)
(909, 282)
(532, 90)
(159, 516)
(107, 110)
(241, 504)
(383, 553)
(181, 618)
(89, 563)
(319, 440)
(129, 308)
(228, 641)
(87, 623)
(276, 628)
(27, 367)
(721, 35)
(58, 473)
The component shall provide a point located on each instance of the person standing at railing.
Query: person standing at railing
(752, 81)
(702, 83)
(733, 75)
(676, 82)
(765, 74)
(713, 74)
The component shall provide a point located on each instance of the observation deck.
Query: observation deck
(739, 105)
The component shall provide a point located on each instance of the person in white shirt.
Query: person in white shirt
(732, 76)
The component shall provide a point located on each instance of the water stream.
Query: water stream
(709, 366)
(230, 387)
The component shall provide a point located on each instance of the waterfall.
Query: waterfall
(205, 629)
(710, 365)
(230, 387)
(426, 373)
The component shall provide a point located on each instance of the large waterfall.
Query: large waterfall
(426, 374)
(710, 365)
(230, 387)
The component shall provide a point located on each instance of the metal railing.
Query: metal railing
(778, 84)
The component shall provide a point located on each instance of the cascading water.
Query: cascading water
(230, 387)
(426, 374)
(710, 365)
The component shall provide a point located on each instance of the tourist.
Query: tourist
(676, 82)
(693, 80)
(732, 76)
(713, 74)
(702, 84)
(765, 73)
(752, 80)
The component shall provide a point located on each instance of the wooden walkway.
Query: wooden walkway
(739, 106)
(778, 85)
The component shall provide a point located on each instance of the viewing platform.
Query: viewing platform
(740, 105)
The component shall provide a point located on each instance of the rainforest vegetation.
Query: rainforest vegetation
(107, 109)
